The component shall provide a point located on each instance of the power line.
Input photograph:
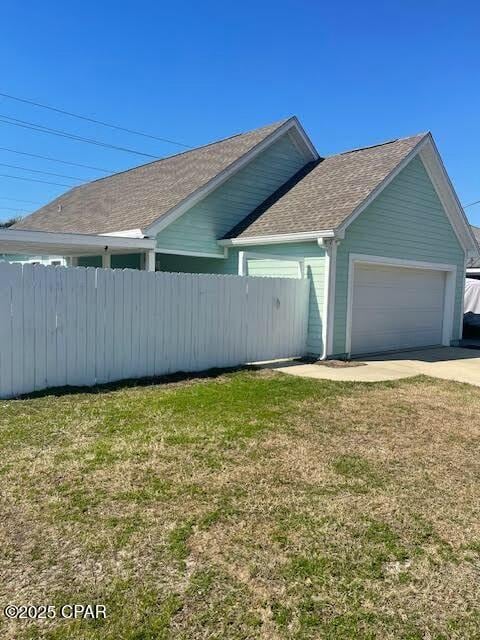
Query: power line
(471, 204)
(19, 200)
(104, 124)
(57, 184)
(47, 173)
(71, 136)
(73, 164)
(12, 209)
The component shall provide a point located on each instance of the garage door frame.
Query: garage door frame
(449, 300)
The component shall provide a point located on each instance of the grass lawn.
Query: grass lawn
(249, 505)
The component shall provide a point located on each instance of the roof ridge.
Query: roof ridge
(328, 195)
(378, 144)
(168, 182)
(181, 153)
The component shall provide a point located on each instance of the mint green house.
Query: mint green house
(378, 231)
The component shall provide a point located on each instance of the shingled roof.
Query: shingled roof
(319, 197)
(325, 193)
(138, 197)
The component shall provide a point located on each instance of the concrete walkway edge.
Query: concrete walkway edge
(449, 363)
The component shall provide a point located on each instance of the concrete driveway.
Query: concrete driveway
(462, 365)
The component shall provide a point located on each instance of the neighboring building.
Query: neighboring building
(473, 268)
(55, 261)
(379, 231)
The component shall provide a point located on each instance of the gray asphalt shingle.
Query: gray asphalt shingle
(325, 193)
(319, 197)
(136, 198)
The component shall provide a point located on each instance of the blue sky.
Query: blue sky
(355, 73)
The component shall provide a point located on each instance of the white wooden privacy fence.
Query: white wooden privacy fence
(81, 326)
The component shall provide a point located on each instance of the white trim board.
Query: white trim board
(437, 173)
(127, 233)
(435, 169)
(379, 188)
(450, 284)
(192, 254)
(292, 125)
(331, 250)
(14, 240)
(307, 236)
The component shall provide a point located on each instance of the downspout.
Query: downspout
(330, 246)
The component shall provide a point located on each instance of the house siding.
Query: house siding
(199, 228)
(406, 220)
(314, 269)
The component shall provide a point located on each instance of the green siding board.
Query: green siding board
(314, 270)
(406, 221)
(204, 224)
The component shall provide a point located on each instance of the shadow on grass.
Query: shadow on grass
(127, 383)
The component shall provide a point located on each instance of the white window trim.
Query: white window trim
(245, 256)
(450, 285)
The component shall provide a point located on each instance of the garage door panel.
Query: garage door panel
(394, 298)
(405, 340)
(401, 321)
(396, 308)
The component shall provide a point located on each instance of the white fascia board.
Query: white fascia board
(128, 233)
(70, 240)
(380, 187)
(435, 169)
(292, 125)
(437, 173)
(280, 238)
(305, 139)
(193, 254)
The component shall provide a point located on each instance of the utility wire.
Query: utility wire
(12, 209)
(57, 184)
(71, 136)
(104, 124)
(73, 164)
(47, 173)
(471, 204)
(19, 200)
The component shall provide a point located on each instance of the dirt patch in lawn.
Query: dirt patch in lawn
(339, 364)
(253, 505)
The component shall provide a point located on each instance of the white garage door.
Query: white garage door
(396, 308)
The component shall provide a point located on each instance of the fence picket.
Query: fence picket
(81, 326)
